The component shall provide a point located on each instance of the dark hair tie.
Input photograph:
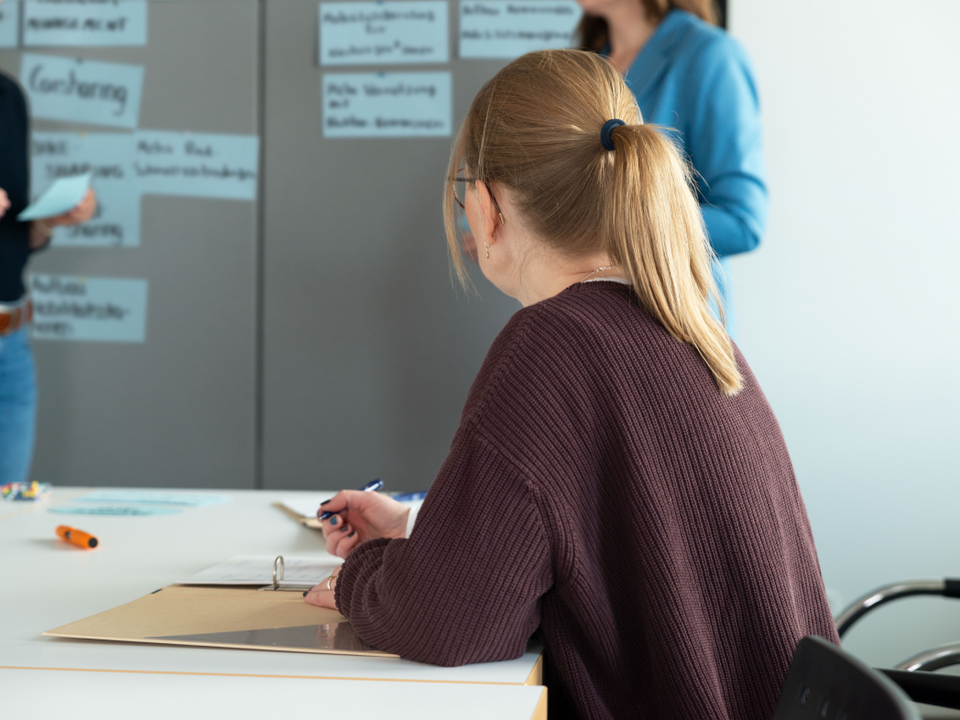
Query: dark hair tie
(605, 131)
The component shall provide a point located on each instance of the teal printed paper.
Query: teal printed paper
(96, 309)
(109, 156)
(386, 105)
(9, 24)
(114, 510)
(82, 91)
(84, 23)
(62, 196)
(154, 497)
(510, 28)
(198, 165)
(382, 33)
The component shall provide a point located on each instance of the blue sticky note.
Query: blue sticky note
(98, 24)
(109, 156)
(510, 28)
(76, 90)
(378, 33)
(9, 24)
(62, 196)
(415, 104)
(67, 307)
(114, 510)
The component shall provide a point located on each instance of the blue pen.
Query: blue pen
(410, 497)
(369, 487)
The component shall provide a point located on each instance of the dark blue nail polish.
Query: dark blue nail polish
(352, 534)
(305, 592)
(325, 502)
(333, 520)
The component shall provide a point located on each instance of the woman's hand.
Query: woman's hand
(323, 593)
(361, 516)
(79, 215)
(4, 202)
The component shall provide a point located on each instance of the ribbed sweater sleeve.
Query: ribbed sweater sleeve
(466, 586)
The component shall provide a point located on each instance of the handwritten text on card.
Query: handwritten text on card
(379, 33)
(82, 91)
(386, 104)
(78, 308)
(84, 22)
(510, 28)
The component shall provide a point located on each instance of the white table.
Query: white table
(46, 583)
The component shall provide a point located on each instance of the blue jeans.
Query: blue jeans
(18, 406)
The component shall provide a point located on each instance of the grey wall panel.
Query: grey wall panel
(369, 350)
(178, 410)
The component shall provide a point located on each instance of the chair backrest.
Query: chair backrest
(825, 683)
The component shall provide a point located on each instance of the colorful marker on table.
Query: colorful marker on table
(77, 537)
(369, 487)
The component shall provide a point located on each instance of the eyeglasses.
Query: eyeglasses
(462, 200)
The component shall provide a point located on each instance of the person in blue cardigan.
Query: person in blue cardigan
(689, 75)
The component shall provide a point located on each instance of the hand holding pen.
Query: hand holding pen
(354, 516)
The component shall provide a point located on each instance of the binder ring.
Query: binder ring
(279, 560)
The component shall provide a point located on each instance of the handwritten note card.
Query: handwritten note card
(84, 22)
(377, 33)
(9, 24)
(83, 91)
(510, 28)
(109, 156)
(77, 308)
(207, 165)
(386, 104)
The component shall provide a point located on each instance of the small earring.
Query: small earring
(488, 249)
(501, 217)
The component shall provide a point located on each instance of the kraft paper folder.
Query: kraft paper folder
(225, 617)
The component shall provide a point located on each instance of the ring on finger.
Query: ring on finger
(329, 580)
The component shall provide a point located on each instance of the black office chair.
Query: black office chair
(826, 683)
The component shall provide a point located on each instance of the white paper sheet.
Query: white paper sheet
(198, 165)
(87, 23)
(9, 24)
(109, 156)
(299, 571)
(63, 195)
(306, 506)
(82, 91)
(510, 28)
(386, 105)
(381, 33)
(99, 309)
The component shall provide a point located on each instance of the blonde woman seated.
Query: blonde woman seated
(618, 484)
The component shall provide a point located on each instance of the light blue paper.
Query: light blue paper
(84, 23)
(114, 510)
(9, 24)
(386, 105)
(62, 196)
(98, 309)
(381, 33)
(109, 156)
(82, 91)
(197, 165)
(151, 497)
(511, 28)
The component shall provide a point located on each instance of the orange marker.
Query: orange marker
(77, 537)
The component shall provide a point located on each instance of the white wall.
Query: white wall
(848, 313)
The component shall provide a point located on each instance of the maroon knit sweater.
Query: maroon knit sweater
(601, 488)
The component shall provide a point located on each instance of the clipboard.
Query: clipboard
(225, 617)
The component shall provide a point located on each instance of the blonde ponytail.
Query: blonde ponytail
(655, 232)
(535, 128)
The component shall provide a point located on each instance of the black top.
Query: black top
(15, 179)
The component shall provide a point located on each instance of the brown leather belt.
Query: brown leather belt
(15, 317)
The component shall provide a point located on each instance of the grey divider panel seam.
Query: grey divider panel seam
(368, 349)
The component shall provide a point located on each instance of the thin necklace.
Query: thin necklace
(594, 272)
